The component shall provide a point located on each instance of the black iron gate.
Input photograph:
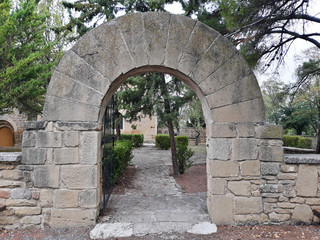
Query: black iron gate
(108, 153)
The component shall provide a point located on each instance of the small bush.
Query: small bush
(163, 141)
(182, 140)
(297, 141)
(183, 155)
(137, 139)
(116, 158)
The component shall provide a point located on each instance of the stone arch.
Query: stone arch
(68, 141)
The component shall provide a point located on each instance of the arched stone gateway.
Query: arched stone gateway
(64, 149)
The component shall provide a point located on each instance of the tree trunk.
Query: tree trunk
(173, 149)
(318, 142)
(197, 137)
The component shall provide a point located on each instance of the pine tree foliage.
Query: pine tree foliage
(26, 57)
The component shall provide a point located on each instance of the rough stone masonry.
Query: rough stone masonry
(59, 177)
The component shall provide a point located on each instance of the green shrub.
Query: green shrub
(123, 155)
(120, 155)
(163, 141)
(297, 141)
(183, 155)
(137, 139)
(182, 140)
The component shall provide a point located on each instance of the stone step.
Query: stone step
(2, 207)
(316, 212)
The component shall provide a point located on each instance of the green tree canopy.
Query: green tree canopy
(26, 57)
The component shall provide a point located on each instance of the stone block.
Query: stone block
(28, 139)
(46, 176)
(7, 220)
(34, 156)
(268, 207)
(178, 36)
(223, 130)
(218, 53)
(66, 155)
(12, 174)
(46, 198)
(49, 139)
(59, 109)
(195, 51)
(66, 199)
(307, 181)
(271, 154)
(35, 125)
(64, 87)
(73, 218)
(286, 205)
(240, 188)
(217, 185)
(10, 184)
(220, 209)
(249, 111)
(4, 194)
(223, 168)
(130, 27)
(252, 219)
(302, 214)
(298, 200)
(289, 168)
(89, 198)
(78, 126)
(71, 138)
(89, 147)
(35, 195)
(20, 203)
(269, 132)
(245, 130)
(269, 168)
(21, 193)
(79, 177)
(27, 210)
(287, 176)
(250, 168)
(31, 220)
(271, 188)
(242, 90)
(245, 206)
(244, 149)
(281, 218)
(219, 148)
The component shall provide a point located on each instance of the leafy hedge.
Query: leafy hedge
(297, 141)
(121, 155)
(163, 141)
(137, 139)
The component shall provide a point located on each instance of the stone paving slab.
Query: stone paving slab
(156, 204)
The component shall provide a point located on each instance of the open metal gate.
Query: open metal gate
(108, 139)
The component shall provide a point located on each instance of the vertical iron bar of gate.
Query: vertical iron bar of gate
(108, 153)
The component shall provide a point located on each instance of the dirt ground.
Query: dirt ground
(189, 182)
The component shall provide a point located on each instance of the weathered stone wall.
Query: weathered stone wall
(58, 180)
(145, 126)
